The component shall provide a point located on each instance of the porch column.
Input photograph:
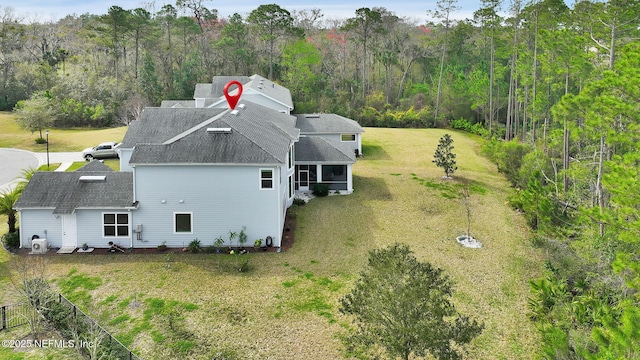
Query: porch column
(349, 178)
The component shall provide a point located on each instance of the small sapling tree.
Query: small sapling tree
(464, 194)
(444, 157)
(403, 306)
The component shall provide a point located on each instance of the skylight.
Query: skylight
(226, 130)
(92, 178)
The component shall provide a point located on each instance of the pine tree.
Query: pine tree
(403, 307)
(444, 157)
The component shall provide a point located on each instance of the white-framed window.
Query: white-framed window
(291, 186)
(291, 157)
(115, 224)
(182, 223)
(348, 137)
(266, 179)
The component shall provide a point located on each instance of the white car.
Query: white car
(102, 151)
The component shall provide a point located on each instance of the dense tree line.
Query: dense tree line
(505, 72)
(578, 188)
(555, 88)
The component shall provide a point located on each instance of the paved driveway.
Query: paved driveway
(13, 161)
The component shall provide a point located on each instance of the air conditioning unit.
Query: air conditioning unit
(39, 246)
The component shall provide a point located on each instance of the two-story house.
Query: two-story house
(189, 171)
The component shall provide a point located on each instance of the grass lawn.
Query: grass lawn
(286, 307)
(60, 140)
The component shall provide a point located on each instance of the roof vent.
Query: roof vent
(92, 178)
(312, 116)
(219, 130)
(234, 112)
(241, 106)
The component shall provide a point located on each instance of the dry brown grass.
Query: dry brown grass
(287, 306)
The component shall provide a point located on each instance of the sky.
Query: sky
(51, 10)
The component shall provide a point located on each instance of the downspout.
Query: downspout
(20, 224)
(279, 197)
(135, 201)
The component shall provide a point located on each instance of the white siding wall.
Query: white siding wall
(36, 222)
(125, 156)
(221, 198)
(90, 231)
(88, 222)
(264, 101)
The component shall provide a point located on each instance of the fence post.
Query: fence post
(4, 317)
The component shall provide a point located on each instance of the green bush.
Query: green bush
(509, 156)
(461, 124)
(11, 240)
(194, 246)
(465, 125)
(41, 141)
(320, 190)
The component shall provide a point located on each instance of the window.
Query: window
(348, 137)
(335, 176)
(182, 223)
(266, 179)
(290, 186)
(291, 157)
(115, 225)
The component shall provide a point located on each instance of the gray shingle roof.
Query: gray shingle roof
(64, 192)
(271, 89)
(258, 135)
(315, 149)
(94, 165)
(215, 89)
(214, 92)
(327, 124)
(157, 125)
(178, 103)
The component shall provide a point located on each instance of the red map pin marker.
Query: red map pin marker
(232, 99)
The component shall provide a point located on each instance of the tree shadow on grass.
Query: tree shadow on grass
(371, 188)
(374, 152)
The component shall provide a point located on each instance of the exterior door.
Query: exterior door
(303, 180)
(69, 231)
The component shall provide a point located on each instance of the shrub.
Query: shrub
(509, 156)
(11, 240)
(465, 125)
(461, 124)
(41, 141)
(194, 246)
(299, 202)
(320, 190)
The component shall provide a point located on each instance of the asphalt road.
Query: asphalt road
(13, 161)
